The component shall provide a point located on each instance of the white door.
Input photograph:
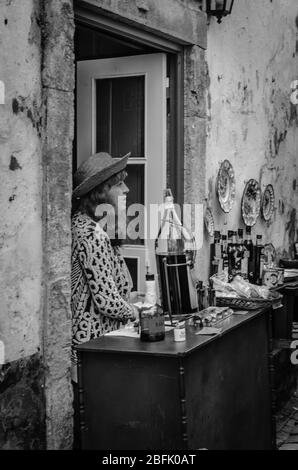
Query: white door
(121, 108)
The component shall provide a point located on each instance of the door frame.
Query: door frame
(175, 62)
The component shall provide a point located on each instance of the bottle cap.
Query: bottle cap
(149, 277)
(259, 237)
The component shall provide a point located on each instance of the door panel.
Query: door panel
(121, 107)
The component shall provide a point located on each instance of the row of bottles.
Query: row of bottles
(235, 254)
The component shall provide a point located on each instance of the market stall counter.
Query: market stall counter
(210, 392)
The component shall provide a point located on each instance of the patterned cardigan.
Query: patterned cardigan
(100, 282)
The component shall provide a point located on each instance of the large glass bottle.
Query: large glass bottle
(175, 255)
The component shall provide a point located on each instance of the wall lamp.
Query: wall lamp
(218, 8)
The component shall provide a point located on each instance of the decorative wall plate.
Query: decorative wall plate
(209, 222)
(251, 202)
(268, 201)
(226, 186)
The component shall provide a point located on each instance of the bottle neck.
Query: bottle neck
(150, 295)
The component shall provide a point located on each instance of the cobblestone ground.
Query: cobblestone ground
(287, 425)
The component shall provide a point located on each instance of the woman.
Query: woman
(101, 283)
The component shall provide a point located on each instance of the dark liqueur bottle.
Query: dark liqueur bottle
(201, 296)
(243, 254)
(224, 254)
(211, 295)
(238, 251)
(215, 254)
(259, 260)
(232, 246)
(250, 255)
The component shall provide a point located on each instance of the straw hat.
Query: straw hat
(95, 170)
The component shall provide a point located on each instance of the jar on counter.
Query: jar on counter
(179, 331)
(152, 323)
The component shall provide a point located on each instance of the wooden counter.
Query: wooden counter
(207, 392)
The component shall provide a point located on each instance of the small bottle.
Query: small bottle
(179, 331)
(152, 322)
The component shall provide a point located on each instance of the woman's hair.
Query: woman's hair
(87, 204)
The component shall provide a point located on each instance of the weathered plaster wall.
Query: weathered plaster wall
(21, 379)
(252, 60)
(195, 85)
(21, 180)
(36, 132)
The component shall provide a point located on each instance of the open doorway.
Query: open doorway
(129, 98)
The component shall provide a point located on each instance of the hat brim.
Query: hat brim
(100, 177)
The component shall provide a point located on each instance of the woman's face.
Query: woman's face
(116, 196)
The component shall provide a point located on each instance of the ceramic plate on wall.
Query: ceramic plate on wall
(209, 222)
(268, 202)
(251, 202)
(226, 186)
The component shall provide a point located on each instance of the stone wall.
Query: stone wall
(22, 408)
(20, 198)
(252, 60)
(36, 132)
(58, 101)
(21, 380)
